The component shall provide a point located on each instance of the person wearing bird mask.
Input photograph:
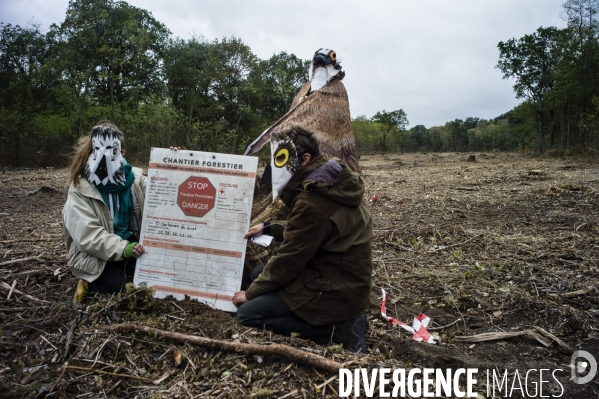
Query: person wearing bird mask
(102, 215)
(318, 283)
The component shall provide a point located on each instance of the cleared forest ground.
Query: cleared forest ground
(504, 244)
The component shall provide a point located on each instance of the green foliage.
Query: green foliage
(394, 119)
(472, 134)
(557, 72)
(281, 77)
(110, 51)
(109, 60)
(375, 136)
(23, 94)
(533, 61)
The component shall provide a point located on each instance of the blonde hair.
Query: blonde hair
(82, 150)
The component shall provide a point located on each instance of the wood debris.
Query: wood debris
(515, 252)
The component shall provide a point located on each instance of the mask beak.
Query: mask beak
(102, 170)
(321, 59)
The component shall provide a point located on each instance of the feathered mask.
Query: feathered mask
(284, 162)
(324, 68)
(105, 163)
(324, 108)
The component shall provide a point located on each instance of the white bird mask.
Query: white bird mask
(105, 163)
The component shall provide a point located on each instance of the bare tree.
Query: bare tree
(581, 15)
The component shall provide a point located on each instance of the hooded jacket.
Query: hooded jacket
(323, 268)
(88, 229)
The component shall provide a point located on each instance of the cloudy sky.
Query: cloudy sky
(434, 59)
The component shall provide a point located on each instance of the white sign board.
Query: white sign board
(196, 211)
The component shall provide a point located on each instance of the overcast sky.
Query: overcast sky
(434, 59)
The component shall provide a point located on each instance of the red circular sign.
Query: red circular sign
(196, 196)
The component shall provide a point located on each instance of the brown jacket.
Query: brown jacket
(323, 268)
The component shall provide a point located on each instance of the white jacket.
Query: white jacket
(88, 229)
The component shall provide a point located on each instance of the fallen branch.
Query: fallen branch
(32, 240)
(562, 345)
(541, 335)
(6, 287)
(327, 382)
(495, 336)
(454, 245)
(292, 393)
(44, 189)
(288, 352)
(32, 273)
(574, 294)
(443, 327)
(20, 309)
(164, 377)
(67, 346)
(111, 374)
(12, 288)
(66, 365)
(399, 246)
(10, 262)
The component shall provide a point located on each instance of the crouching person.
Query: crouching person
(102, 215)
(318, 283)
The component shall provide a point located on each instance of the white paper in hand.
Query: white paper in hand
(263, 239)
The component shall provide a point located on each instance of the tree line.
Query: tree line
(471, 134)
(109, 60)
(556, 73)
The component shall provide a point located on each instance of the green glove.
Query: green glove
(129, 250)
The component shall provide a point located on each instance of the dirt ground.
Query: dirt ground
(507, 243)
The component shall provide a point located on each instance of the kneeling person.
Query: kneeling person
(318, 283)
(102, 214)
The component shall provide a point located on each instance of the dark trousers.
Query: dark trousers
(114, 277)
(271, 312)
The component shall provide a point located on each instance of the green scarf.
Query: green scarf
(121, 199)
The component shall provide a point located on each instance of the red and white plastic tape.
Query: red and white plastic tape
(418, 328)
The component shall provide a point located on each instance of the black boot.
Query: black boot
(356, 340)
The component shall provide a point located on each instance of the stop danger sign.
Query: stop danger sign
(196, 196)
